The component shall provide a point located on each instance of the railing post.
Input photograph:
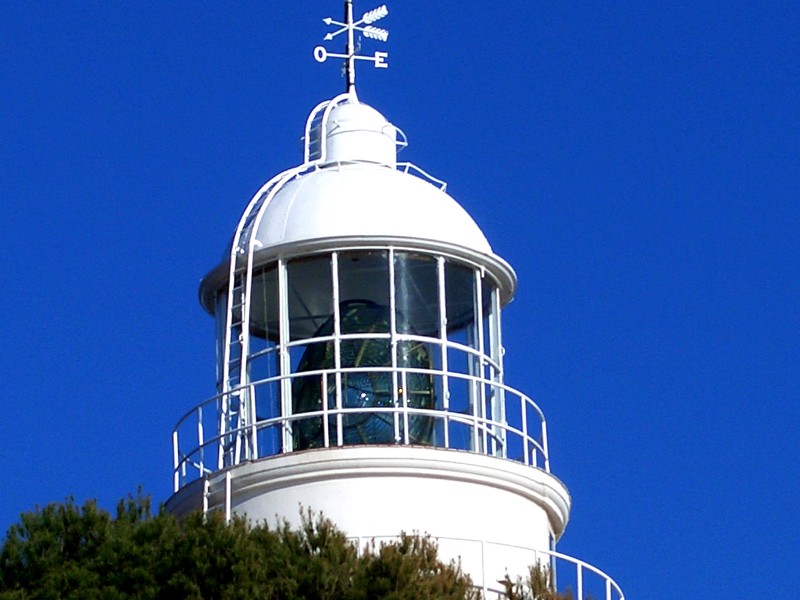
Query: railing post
(253, 422)
(483, 568)
(526, 452)
(404, 385)
(201, 440)
(176, 474)
(326, 434)
(544, 446)
(228, 496)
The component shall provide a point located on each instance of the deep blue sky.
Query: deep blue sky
(636, 162)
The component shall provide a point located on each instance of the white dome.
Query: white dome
(366, 201)
(349, 192)
(358, 132)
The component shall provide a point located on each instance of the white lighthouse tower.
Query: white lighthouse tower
(360, 361)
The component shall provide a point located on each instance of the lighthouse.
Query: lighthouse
(360, 360)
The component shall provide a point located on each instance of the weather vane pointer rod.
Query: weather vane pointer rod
(350, 26)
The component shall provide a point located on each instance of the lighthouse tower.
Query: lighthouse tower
(360, 361)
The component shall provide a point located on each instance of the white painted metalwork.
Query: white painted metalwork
(470, 407)
(584, 580)
(350, 26)
(358, 324)
(362, 135)
(528, 450)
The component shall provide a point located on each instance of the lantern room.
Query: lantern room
(360, 304)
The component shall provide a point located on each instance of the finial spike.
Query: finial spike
(351, 47)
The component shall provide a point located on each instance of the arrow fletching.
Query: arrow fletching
(376, 33)
(375, 14)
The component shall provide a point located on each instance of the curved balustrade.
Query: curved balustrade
(479, 558)
(584, 581)
(199, 449)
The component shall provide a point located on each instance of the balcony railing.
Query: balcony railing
(201, 445)
(567, 574)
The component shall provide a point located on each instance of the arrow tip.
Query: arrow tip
(329, 37)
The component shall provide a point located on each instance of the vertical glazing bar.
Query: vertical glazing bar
(176, 478)
(206, 491)
(580, 581)
(443, 349)
(393, 341)
(284, 358)
(337, 349)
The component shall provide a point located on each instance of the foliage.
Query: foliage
(537, 586)
(82, 552)
(67, 551)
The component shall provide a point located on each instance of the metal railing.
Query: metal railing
(199, 448)
(565, 573)
(585, 581)
(407, 167)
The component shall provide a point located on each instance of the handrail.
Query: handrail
(522, 439)
(550, 559)
(407, 167)
(448, 344)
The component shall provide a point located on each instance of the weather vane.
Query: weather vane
(349, 26)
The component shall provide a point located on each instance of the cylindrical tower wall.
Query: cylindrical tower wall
(492, 515)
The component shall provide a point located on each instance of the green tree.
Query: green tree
(70, 551)
(82, 552)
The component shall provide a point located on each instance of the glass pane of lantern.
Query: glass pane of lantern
(310, 294)
(417, 313)
(220, 319)
(460, 294)
(486, 311)
(416, 294)
(264, 319)
(364, 292)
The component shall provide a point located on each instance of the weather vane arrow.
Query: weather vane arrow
(350, 26)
